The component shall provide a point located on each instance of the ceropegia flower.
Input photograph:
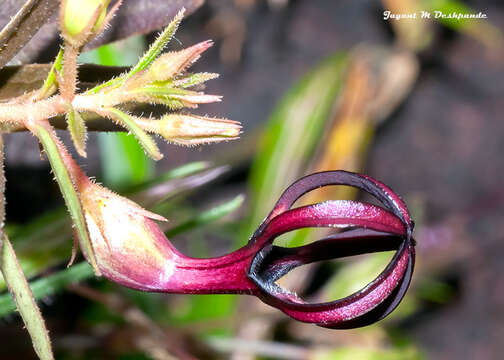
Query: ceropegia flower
(131, 250)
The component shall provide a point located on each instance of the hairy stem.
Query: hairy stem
(69, 81)
(36, 111)
(15, 114)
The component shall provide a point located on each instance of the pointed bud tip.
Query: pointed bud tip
(205, 44)
(180, 13)
(170, 64)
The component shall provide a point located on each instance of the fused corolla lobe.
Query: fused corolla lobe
(378, 298)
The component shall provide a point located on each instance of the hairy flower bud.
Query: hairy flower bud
(129, 247)
(172, 63)
(79, 19)
(191, 129)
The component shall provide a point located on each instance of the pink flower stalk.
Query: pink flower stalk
(131, 249)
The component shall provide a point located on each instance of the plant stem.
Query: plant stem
(16, 113)
(36, 111)
(69, 85)
(25, 303)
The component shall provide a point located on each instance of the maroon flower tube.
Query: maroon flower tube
(131, 250)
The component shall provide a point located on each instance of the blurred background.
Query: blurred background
(317, 85)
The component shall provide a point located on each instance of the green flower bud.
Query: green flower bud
(79, 19)
(173, 63)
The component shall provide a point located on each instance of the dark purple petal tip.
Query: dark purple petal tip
(366, 228)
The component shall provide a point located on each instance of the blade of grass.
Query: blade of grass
(179, 172)
(207, 217)
(25, 303)
(50, 285)
(17, 283)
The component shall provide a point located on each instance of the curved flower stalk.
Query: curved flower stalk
(131, 249)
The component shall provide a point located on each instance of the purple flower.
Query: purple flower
(131, 250)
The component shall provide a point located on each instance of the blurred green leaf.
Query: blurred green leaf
(480, 29)
(124, 162)
(50, 285)
(434, 290)
(161, 196)
(179, 172)
(120, 53)
(24, 299)
(204, 307)
(36, 255)
(355, 276)
(359, 353)
(291, 136)
(207, 217)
